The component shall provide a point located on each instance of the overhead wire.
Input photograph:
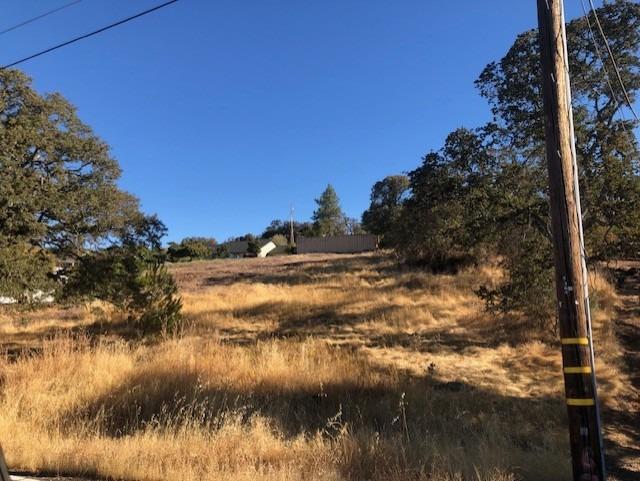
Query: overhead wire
(613, 60)
(630, 136)
(38, 17)
(91, 34)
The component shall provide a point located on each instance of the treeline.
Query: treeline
(66, 229)
(328, 219)
(191, 248)
(484, 193)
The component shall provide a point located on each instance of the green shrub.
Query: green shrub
(135, 281)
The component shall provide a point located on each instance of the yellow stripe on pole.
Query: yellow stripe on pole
(580, 402)
(578, 370)
(581, 341)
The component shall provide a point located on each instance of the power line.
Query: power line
(82, 37)
(613, 60)
(592, 35)
(38, 17)
(629, 135)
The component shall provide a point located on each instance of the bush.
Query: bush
(135, 281)
(158, 305)
(529, 288)
(221, 252)
(253, 249)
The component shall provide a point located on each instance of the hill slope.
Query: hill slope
(306, 367)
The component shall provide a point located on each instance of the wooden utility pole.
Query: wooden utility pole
(570, 268)
(4, 473)
(291, 238)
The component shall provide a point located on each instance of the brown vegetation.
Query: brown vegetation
(306, 367)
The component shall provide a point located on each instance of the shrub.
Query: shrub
(135, 281)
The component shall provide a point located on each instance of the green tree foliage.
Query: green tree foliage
(135, 281)
(221, 251)
(25, 271)
(59, 200)
(246, 237)
(276, 227)
(282, 227)
(58, 190)
(608, 161)
(58, 187)
(192, 248)
(131, 275)
(485, 192)
(383, 214)
(253, 248)
(449, 211)
(328, 218)
(607, 157)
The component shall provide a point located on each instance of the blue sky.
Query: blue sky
(223, 113)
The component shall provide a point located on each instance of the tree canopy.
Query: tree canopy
(192, 248)
(59, 199)
(387, 197)
(282, 227)
(485, 192)
(328, 218)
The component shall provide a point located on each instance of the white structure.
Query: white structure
(265, 249)
(241, 248)
(37, 297)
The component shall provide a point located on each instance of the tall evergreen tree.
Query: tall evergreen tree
(328, 218)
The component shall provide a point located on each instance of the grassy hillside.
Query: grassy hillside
(299, 368)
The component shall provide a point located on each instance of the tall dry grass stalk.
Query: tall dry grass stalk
(338, 369)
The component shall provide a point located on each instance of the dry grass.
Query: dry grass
(318, 368)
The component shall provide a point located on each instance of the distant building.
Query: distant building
(339, 244)
(239, 249)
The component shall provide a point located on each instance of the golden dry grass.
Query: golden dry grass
(304, 368)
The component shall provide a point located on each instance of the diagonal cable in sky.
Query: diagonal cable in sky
(38, 17)
(82, 37)
(613, 60)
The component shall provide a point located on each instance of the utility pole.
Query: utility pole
(4, 473)
(291, 239)
(570, 267)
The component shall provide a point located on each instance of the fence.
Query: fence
(341, 244)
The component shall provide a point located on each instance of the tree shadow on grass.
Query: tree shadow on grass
(166, 399)
(27, 344)
(298, 272)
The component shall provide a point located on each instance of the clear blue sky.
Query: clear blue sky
(222, 113)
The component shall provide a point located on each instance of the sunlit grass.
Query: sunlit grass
(344, 368)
